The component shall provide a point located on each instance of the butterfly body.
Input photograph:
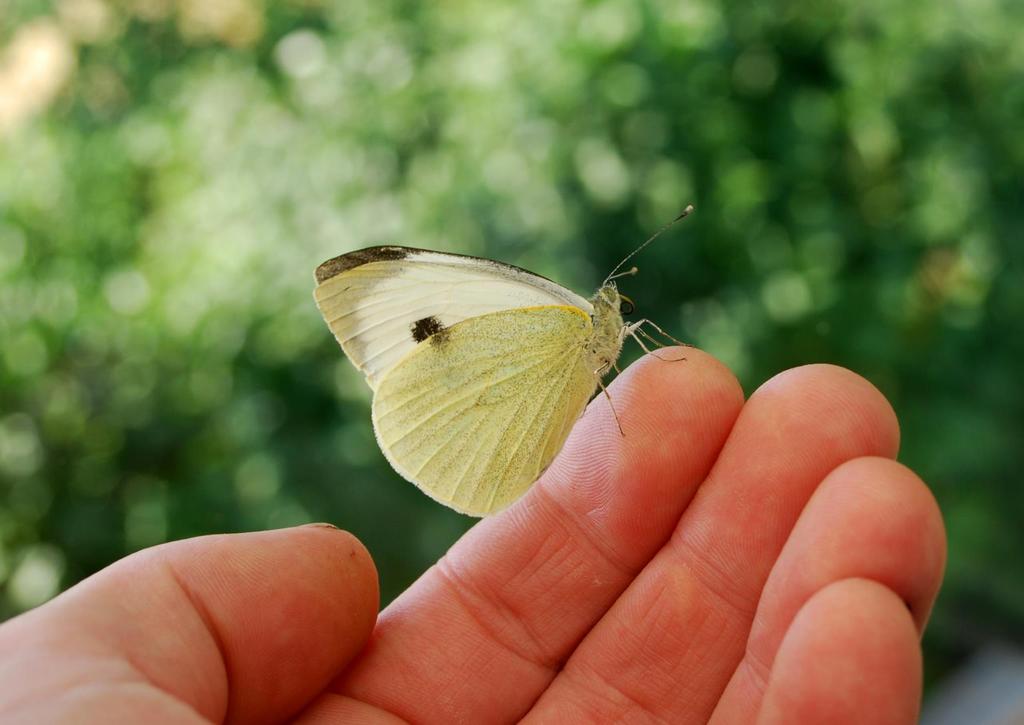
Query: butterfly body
(606, 341)
(479, 369)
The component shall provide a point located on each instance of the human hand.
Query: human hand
(762, 562)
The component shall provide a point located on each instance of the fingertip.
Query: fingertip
(660, 391)
(278, 613)
(346, 545)
(851, 655)
(669, 409)
(683, 366)
(354, 568)
(884, 498)
(824, 393)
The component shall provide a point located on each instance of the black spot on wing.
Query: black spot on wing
(334, 267)
(426, 327)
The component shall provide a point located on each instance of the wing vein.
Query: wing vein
(539, 406)
(438, 450)
(390, 297)
(470, 462)
(475, 391)
(495, 444)
(418, 396)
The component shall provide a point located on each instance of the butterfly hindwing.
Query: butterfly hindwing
(476, 411)
(383, 301)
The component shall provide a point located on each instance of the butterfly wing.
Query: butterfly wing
(474, 414)
(382, 301)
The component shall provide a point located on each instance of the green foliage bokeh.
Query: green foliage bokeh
(856, 168)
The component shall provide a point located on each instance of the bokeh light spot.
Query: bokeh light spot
(127, 291)
(36, 577)
(300, 54)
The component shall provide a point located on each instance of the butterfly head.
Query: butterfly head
(607, 297)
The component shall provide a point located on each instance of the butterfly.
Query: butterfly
(479, 369)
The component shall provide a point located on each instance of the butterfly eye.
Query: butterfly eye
(626, 306)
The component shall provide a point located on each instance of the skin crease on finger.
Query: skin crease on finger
(870, 518)
(672, 641)
(515, 595)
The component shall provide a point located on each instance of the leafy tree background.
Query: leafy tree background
(171, 171)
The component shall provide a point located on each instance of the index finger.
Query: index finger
(510, 601)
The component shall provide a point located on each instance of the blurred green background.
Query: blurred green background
(171, 172)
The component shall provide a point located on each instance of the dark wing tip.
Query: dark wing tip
(345, 262)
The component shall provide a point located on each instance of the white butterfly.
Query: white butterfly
(478, 369)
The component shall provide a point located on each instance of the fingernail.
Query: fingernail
(320, 525)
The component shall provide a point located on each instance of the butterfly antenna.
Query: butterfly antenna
(685, 213)
(628, 273)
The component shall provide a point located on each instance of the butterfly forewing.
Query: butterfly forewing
(477, 411)
(383, 301)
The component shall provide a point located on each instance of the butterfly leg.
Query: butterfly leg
(612, 406)
(659, 344)
(639, 323)
(643, 346)
(598, 374)
(635, 330)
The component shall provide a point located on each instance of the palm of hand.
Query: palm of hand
(722, 562)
